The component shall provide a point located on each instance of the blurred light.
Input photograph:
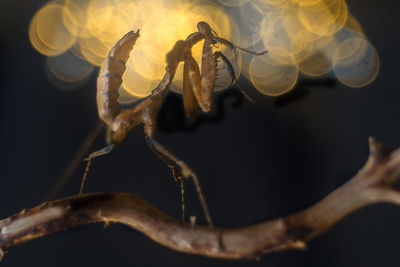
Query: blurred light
(324, 18)
(233, 3)
(313, 37)
(47, 33)
(271, 77)
(125, 98)
(361, 67)
(69, 68)
(319, 60)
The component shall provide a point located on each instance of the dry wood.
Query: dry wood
(372, 184)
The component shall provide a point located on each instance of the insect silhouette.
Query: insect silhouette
(198, 88)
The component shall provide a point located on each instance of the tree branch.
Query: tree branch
(372, 184)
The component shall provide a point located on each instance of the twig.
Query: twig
(372, 184)
(76, 160)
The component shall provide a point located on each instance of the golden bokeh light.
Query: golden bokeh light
(306, 2)
(69, 68)
(47, 33)
(233, 3)
(136, 84)
(271, 78)
(319, 60)
(126, 98)
(315, 65)
(324, 18)
(311, 37)
(74, 17)
(88, 53)
(276, 3)
(251, 15)
(358, 68)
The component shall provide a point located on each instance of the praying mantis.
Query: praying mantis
(198, 85)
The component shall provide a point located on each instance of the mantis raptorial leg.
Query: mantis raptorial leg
(231, 71)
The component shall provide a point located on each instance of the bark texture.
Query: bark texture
(372, 184)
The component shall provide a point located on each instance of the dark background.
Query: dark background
(255, 161)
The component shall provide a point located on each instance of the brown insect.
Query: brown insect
(197, 95)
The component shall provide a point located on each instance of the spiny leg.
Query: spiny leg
(93, 155)
(180, 171)
(207, 74)
(191, 87)
(231, 71)
(179, 168)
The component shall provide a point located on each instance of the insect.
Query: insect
(198, 85)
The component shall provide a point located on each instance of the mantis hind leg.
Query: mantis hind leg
(179, 168)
